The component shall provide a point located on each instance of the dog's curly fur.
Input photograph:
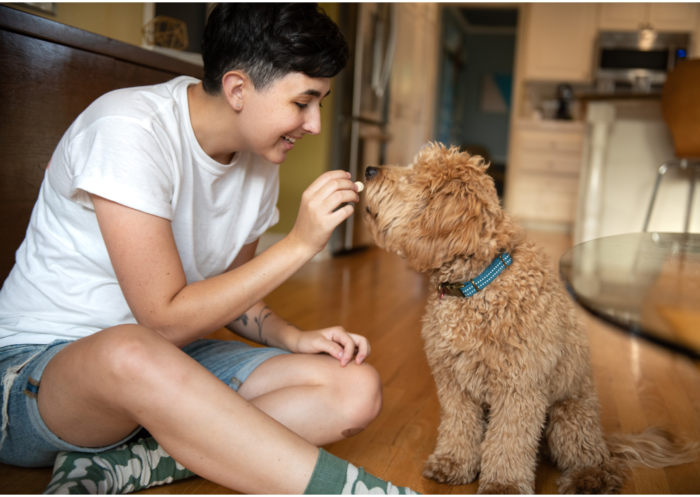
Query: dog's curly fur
(511, 363)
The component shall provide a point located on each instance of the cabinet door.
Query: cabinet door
(623, 16)
(673, 16)
(560, 41)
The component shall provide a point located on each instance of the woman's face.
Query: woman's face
(274, 118)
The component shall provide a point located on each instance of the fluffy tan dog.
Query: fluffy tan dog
(511, 363)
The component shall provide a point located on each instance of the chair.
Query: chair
(680, 103)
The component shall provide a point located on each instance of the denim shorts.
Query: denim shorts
(29, 442)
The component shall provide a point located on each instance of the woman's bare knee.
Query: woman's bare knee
(130, 352)
(361, 393)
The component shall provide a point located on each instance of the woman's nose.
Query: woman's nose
(313, 124)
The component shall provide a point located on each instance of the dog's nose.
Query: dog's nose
(371, 172)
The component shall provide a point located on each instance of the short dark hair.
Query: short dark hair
(267, 41)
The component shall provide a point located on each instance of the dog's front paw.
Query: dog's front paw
(505, 488)
(604, 479)
(445, 469)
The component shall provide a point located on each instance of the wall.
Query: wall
(119, 21)
(487, 54)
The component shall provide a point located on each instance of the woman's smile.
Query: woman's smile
(288, 141)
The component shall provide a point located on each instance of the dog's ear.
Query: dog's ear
(458, 209)
(443, 230)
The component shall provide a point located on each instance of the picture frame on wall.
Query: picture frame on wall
(44, 7)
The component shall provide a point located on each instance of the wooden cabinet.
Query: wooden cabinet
(544, 171)
(559, 41)
(660, 16)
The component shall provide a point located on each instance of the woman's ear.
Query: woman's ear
(232, 85)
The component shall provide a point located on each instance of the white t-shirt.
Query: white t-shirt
(136, 147)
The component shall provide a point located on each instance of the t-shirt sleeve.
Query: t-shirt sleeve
(268, 215)
(120, 160)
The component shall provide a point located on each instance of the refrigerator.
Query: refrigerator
(361, 106)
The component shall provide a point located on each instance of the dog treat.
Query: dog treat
(360, 186)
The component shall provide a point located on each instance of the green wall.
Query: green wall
(119, 21)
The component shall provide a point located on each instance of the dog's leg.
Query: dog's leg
(456, 456)
(578, 448)
(509, 451)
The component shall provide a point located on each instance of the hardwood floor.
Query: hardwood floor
(375, 294)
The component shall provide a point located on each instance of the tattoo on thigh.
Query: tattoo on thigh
(243, 318)
(259, 321)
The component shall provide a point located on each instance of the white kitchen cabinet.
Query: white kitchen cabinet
(622, 16)
(673, 16)
(559, 42)
(660, 16)
(544, 171)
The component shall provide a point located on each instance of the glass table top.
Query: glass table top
(645, 283)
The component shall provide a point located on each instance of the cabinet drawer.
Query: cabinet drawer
(549, 163)
(545, 184)
(550, 142)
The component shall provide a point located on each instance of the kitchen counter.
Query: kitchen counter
(628, 95)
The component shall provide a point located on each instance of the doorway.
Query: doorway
(476, 79)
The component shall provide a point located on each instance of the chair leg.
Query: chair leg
(662, 171)
(691, 196)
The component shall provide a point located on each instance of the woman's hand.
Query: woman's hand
(318, 216)
(336, 342)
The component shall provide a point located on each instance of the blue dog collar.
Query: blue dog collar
(472, 286)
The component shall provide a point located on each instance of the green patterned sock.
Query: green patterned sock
(131, 467)
(333, 476)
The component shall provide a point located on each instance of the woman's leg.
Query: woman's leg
(315, 397)
(98, 389)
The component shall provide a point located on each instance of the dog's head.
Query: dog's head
(442, 207)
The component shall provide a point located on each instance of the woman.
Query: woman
(142, 242)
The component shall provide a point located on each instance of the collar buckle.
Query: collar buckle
(451, 289)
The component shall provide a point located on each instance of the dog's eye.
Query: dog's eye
(367, 209)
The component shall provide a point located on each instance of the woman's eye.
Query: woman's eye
(301, 106)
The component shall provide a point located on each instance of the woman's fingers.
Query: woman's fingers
(320, 211)
(363, 348)
(325, 178)
(337, 343)
(336, 186)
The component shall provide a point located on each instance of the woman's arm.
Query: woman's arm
(261, 325)
(146, 262)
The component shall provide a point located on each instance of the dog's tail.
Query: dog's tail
(653, 448)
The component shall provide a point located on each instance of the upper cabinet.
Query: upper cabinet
(623, 16)
(673, 16)
(560, 39)
(659, 16)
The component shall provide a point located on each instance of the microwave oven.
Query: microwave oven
(638, 60)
